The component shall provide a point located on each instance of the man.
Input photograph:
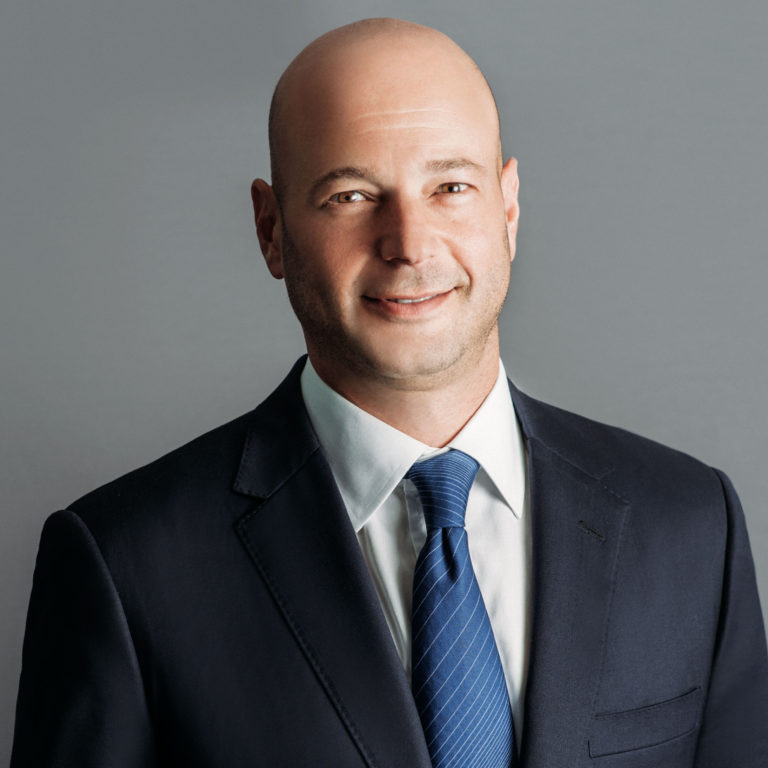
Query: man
(247, 599)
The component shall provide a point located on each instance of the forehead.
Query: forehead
(387, 102)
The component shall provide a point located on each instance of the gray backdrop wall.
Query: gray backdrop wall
(135, 311)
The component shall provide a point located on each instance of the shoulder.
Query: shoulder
(632, 465)
(202, 478)
(190, 478)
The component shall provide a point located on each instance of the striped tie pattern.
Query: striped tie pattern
(458, 681)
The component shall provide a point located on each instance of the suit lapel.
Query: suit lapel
(577, 534)
(577, 527)
(304, 548)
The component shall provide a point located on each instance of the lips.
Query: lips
(403, 299)
(413, 301)
(408, 307)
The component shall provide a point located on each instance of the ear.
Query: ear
(510, 184)
(266, 213)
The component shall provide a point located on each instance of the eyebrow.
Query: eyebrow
(346, 172)
(452, 164)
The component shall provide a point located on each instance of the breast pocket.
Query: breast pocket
(649, 726)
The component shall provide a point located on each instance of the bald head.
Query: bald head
(390, 216)
(366, 65)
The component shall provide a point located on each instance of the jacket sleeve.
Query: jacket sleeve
(81, 698)
(734, 729)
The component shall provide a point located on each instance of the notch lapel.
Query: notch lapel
(578, 522)
(303, 546)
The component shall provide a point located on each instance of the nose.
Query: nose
(407, 233)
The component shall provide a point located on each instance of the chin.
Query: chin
(412, 370)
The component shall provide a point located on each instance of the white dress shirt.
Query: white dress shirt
(369, 459)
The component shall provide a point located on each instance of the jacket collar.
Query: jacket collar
(560, 432)
(280, 439)
(266, 464)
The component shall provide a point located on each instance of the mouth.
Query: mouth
(418, 300)
(408, 307)
(406, 298)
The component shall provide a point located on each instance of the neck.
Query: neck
(433, 409)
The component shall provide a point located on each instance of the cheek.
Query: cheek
(488, 263)
(477, 224)
(484, 249)
(325, 270)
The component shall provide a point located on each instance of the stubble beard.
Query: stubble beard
(333, 349)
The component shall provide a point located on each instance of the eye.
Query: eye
(352, 196)
(452, 187)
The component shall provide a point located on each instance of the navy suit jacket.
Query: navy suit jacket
(213, 609)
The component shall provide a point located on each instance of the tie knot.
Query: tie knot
(443, 483)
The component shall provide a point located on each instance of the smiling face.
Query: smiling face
(396, 224)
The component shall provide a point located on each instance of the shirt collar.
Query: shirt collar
(368, 457)
(493, 438)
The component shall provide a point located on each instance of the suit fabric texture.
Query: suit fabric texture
(213, 608)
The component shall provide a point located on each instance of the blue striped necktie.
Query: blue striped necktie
(458, 681)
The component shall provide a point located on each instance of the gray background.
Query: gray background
(135, 310)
